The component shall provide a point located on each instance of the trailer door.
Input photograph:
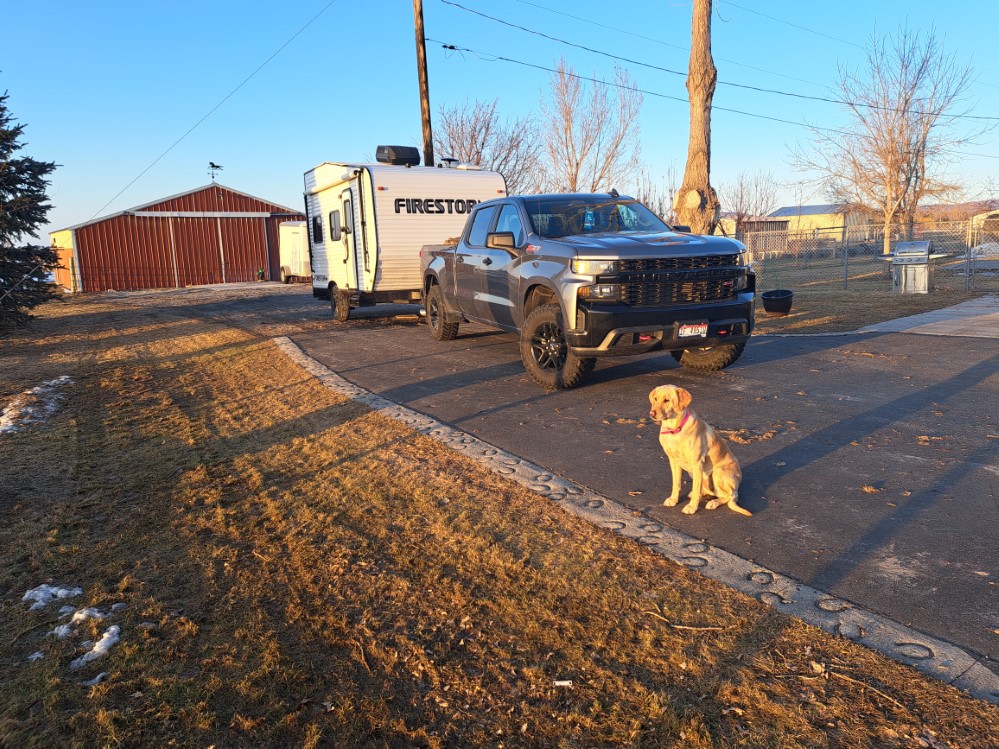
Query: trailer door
(349, 238)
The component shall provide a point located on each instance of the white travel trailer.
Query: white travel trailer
(367, 223)
(293, 251)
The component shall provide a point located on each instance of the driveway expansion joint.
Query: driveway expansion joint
(932, 656)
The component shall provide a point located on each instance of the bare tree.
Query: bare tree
(658, 196)
(591, 144)
(751, 196)
(475, 134)
(697, 202)
(905, 105)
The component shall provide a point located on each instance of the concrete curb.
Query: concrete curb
(933, 657)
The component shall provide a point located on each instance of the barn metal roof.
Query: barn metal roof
(153, 204)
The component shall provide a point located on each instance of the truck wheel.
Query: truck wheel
(339, 304)
(546, 354)
(439, 329)
(711, 358)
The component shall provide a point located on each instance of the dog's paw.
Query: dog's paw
(671, 501)
(689, 509)
(714, 504)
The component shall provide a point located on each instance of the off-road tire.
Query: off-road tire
(439, 329)
(546, 353)
(339, 304)
(711, 358)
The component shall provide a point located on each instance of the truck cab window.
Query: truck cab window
(481, 222)
(509, 220)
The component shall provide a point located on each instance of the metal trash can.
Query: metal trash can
(913, 266)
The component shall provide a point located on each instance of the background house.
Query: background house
(831, 220)
(212, 234)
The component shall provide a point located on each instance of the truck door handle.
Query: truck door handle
(487, 261)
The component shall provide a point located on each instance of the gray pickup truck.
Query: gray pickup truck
(581, 276)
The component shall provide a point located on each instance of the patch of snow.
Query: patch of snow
(43, 595)
(83, 614)
(96, 680)
(67, 610)
(36, 656)
(32, 405)
(100, 649)
(65, 630)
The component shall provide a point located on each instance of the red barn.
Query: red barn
(213, 234)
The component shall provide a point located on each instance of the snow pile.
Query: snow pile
(100, 648)
(65, 630)
(43, 595)
(33, 405)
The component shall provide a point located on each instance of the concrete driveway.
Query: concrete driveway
(869, 459)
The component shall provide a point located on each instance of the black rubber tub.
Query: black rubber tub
(777, 302)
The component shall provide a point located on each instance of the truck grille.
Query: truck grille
(679, 280)
(677, 292)
(645, 265)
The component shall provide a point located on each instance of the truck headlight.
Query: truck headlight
(594, 267)
(603, 291)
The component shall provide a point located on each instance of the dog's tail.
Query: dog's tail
(733, 504)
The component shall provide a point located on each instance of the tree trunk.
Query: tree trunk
(696, 202)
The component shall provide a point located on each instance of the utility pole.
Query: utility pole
(421, 68)
(696, 202)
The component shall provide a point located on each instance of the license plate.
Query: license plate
(693, 330)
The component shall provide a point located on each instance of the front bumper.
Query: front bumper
(620, 330)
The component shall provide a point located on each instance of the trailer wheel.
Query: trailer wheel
(710, 358)
(546, 354)
(339, 304)
(439, 329)
(285, 274)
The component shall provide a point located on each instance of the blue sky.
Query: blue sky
(106, 88)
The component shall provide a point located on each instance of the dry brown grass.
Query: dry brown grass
(820, 309)
(302, 571)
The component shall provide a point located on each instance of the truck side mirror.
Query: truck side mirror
(681, 229)
(501, 240)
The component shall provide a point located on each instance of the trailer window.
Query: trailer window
(334, 225)
(317, 230)
(348, 217)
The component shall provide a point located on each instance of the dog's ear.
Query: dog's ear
(683, 399)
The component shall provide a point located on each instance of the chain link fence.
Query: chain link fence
(852, 257)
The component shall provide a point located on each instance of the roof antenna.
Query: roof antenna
(213, 169)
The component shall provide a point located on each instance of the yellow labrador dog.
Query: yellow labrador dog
(693, 446)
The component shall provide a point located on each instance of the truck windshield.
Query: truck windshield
(570, 216)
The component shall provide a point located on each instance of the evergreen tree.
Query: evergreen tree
(24, 268)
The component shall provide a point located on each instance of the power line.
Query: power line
(664, 44)
(489, 57)
(213, 109)
(747, 87)
(793, 25)
(683, 100)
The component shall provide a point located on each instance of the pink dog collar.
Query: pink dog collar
(678, 427)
